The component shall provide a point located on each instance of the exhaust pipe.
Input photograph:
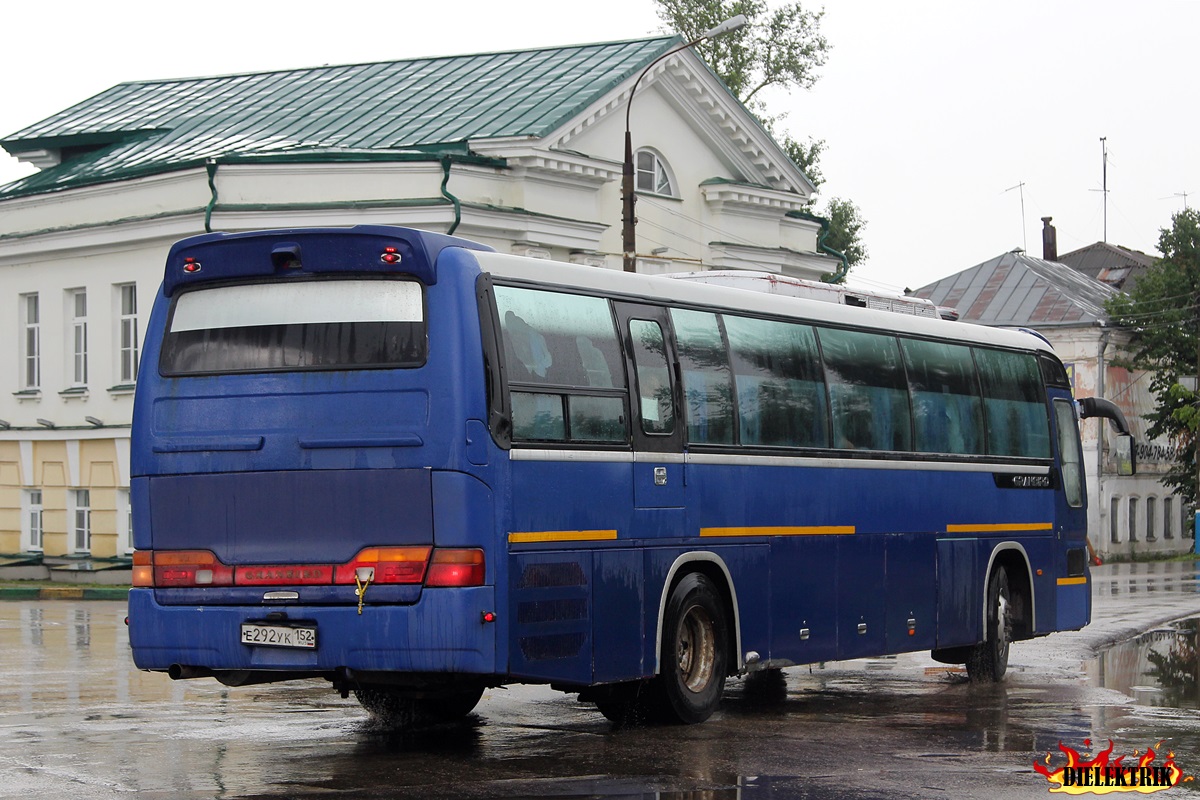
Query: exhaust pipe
(181, 672)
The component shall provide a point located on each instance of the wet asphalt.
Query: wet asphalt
(77, 720)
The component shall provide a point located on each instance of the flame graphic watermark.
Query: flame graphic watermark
(1101, 775)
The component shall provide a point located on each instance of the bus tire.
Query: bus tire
(399, 709)
(988, 660)
(694, 652)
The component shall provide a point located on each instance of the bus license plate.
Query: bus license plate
(279, 636)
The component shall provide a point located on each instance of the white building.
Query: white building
(520, 150)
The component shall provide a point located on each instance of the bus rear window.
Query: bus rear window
(309, 325)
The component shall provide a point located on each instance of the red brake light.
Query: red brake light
(456, 568)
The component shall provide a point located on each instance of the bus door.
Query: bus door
(1073, 607)
(657, 426)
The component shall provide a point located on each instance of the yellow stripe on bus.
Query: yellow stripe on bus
(561, 536)
(1071, 581)
(1000, 526)
(784, 530)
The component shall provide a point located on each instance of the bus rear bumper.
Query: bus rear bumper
(1074, 603)
(443, 632)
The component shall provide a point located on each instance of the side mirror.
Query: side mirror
(1124, 454)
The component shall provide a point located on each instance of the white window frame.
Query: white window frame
(77, 337)
(124, 523)
(32, 520)
(80, 520)
(658, 179)
(31, 341)
(128, 344)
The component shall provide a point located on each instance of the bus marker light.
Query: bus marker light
(390, 256)
(191, 265)
(488, 616)
(452, 567)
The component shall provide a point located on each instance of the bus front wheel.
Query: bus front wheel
(988, 660)
(694, 647)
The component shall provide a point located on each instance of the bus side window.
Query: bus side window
(947, 411)
(653, 377)
(706, 384)
(780, 388)
(868, 393)
(1014, 404)
(565, 373)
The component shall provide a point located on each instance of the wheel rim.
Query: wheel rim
(697, 649)
(1003, 625)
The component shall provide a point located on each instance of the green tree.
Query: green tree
(780, 48)
(1162, 312)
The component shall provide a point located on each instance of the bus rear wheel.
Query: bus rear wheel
(694, 646)
(399, 709)
(988, 660)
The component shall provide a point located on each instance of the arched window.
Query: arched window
(653, 174)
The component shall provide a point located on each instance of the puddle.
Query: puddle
(1158, 668)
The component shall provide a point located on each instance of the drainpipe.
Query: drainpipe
(446, 194)
(839, 275)
(211, 167)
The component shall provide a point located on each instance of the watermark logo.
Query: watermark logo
(1101, 774)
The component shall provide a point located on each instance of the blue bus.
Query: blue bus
(418, 468)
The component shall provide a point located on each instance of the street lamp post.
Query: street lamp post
(628, 220)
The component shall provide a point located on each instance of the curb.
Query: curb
(64, 593)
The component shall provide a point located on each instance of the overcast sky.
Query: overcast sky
(932, 110)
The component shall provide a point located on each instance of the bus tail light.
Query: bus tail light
(390, 565)
(452, 567)
(175, 568)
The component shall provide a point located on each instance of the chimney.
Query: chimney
(1049, 240)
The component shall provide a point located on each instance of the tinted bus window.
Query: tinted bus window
(780, 388)
(706, 383)
(569, 342)
(947, 412)
(868, 394)
(336, 324)
(653, 377)
(560, 339)
(1014, 404)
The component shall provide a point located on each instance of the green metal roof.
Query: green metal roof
(361, 111)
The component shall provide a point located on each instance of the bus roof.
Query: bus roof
(664, 289)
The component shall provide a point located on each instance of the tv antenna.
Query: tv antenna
(1104, 178)
(1024, 236)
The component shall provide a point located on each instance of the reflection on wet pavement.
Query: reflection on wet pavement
(77, 720)
(1158, 668)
